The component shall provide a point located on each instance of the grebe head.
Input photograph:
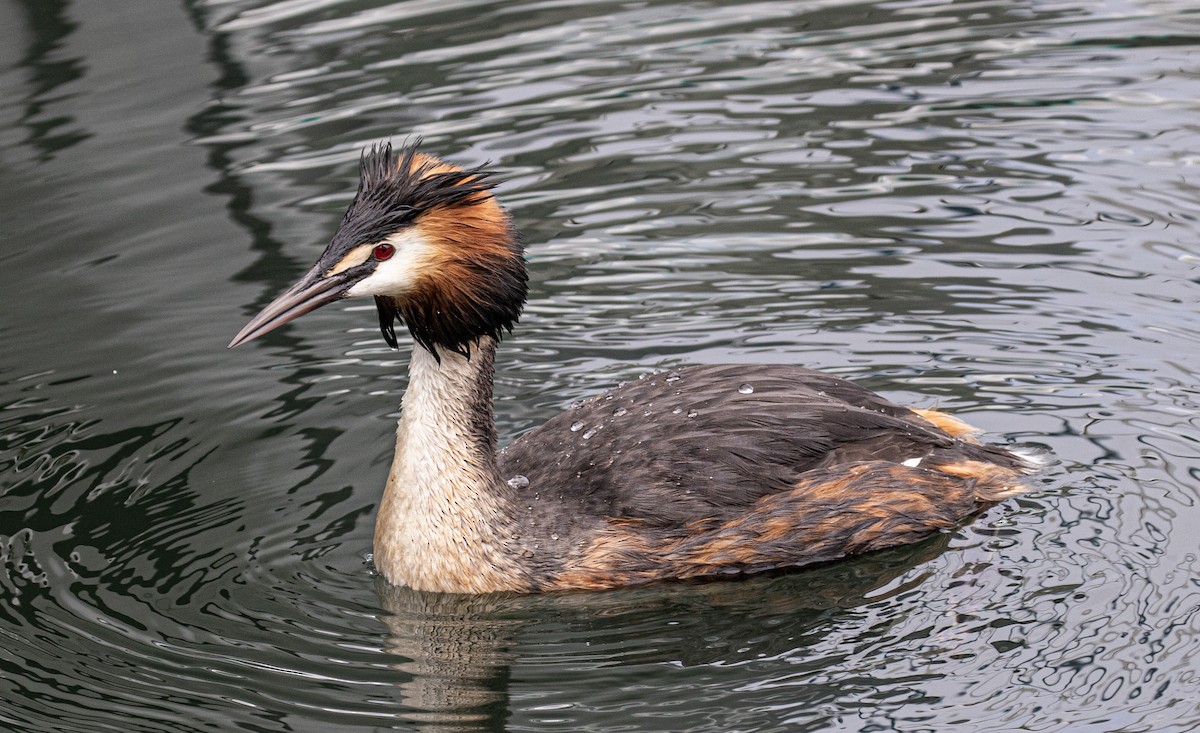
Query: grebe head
(430, 242)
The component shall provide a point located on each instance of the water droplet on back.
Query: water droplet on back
(619, 412)
(746, 389)
(692, 413)
(590, 432)
(576, 426)
(518, 481)
(673, 377)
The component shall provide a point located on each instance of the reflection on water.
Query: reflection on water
(463, 651)
(457, 651)
(983, 207)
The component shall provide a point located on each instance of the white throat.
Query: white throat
(445, 520)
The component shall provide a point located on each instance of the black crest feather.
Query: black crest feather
(395, 189)
(393, 192)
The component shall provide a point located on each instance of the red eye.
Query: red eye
(384, 251)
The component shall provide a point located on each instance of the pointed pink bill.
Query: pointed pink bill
(311, 292)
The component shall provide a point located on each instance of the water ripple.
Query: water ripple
(983, 207)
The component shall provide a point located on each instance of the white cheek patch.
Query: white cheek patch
(398, 275)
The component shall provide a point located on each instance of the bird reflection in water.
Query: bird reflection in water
(458, 651)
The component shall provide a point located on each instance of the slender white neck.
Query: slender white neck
(446, 519)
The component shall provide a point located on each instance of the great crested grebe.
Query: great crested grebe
(706, 471)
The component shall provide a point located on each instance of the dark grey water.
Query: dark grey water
(987, 206)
